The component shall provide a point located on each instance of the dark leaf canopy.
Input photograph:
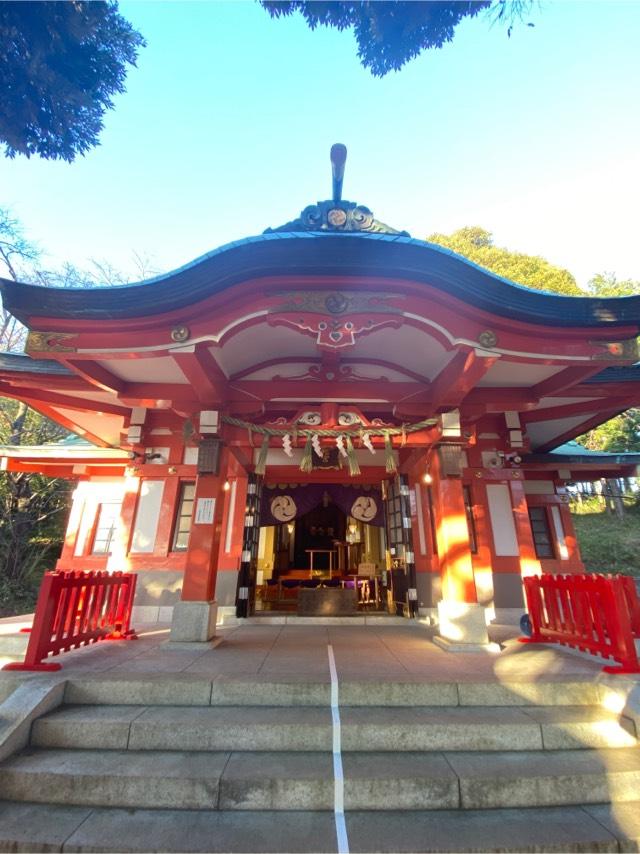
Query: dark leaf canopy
(61, 63)
(389, 34)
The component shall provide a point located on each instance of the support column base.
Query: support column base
(463, 628)
(193, 622)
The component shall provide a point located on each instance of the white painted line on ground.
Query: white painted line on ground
(338, 776)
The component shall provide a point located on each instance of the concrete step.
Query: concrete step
(40, 827)
(372, 728)
(198, 691)
(304, 781)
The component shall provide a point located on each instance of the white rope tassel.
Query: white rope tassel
(315, 442)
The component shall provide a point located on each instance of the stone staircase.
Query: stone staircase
(157, 764)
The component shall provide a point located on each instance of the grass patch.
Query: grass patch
(608, 544)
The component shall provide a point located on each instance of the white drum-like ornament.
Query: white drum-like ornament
(283, 508)
(364, 509)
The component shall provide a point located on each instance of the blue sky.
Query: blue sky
(227, 122)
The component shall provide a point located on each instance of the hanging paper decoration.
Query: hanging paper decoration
(354, 467)
(366, 441)
(307, 459)
(261, 464)
(286, 445)
(340, 445)
(315, 435)
(389, 458)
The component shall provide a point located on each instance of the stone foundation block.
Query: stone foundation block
(193, 622)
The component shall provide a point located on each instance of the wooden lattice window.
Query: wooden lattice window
(541, 532)
(471, 522)
(105, 529)
(184, 513)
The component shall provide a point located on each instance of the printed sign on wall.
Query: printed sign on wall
(204, 511)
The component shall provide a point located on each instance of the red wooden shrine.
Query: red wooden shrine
(333, 350)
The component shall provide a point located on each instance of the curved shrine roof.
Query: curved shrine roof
(326, 253)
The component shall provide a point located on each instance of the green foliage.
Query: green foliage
(60, 65)
(390, 34)
(617, 435)
(532, 271)
(607, 285)
(608, 544)
(621, 433)
(32, 510)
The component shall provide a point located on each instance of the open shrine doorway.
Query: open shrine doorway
(330, 536)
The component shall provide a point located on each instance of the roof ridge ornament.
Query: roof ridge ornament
(336, 214)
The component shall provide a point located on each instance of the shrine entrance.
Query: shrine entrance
(328, 536)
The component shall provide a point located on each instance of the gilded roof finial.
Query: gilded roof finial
(338, 159)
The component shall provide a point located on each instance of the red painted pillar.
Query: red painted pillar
(204, 541)
(529, 562)
(452, 534)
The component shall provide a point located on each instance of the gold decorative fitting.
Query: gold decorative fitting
(336, 217)
(616, 350)
(488, 338)
(515, 474)
(180, 334)
(478, 474)
(49, 342)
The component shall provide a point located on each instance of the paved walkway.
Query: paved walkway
(290, 652)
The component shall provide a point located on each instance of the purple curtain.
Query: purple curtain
(286, 503)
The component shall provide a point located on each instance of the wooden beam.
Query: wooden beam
(564, 379)
(205, 375)
(242, 457)
(569, 410)
(312, 390)
(96, 375)
(51, 398)
(502, 399)
(458, 378)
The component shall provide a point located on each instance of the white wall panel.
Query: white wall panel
(147, 516)
(505, 541)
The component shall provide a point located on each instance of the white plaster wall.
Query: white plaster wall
(147, 516)
(539, 487)
(190, 456)
(505, 541)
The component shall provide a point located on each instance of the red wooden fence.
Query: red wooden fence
(594, 613)
(77, 608)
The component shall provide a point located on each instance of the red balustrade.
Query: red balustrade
(77, 608)
(594, 613)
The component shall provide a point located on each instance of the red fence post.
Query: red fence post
(77, 608)
(593, 613)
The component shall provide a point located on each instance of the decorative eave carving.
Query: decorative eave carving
(337, 217)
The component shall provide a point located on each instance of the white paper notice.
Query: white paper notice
(204, 511)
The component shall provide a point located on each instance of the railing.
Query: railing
(77, 608)
(594, 613)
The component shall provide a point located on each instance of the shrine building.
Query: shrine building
(328, 418)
